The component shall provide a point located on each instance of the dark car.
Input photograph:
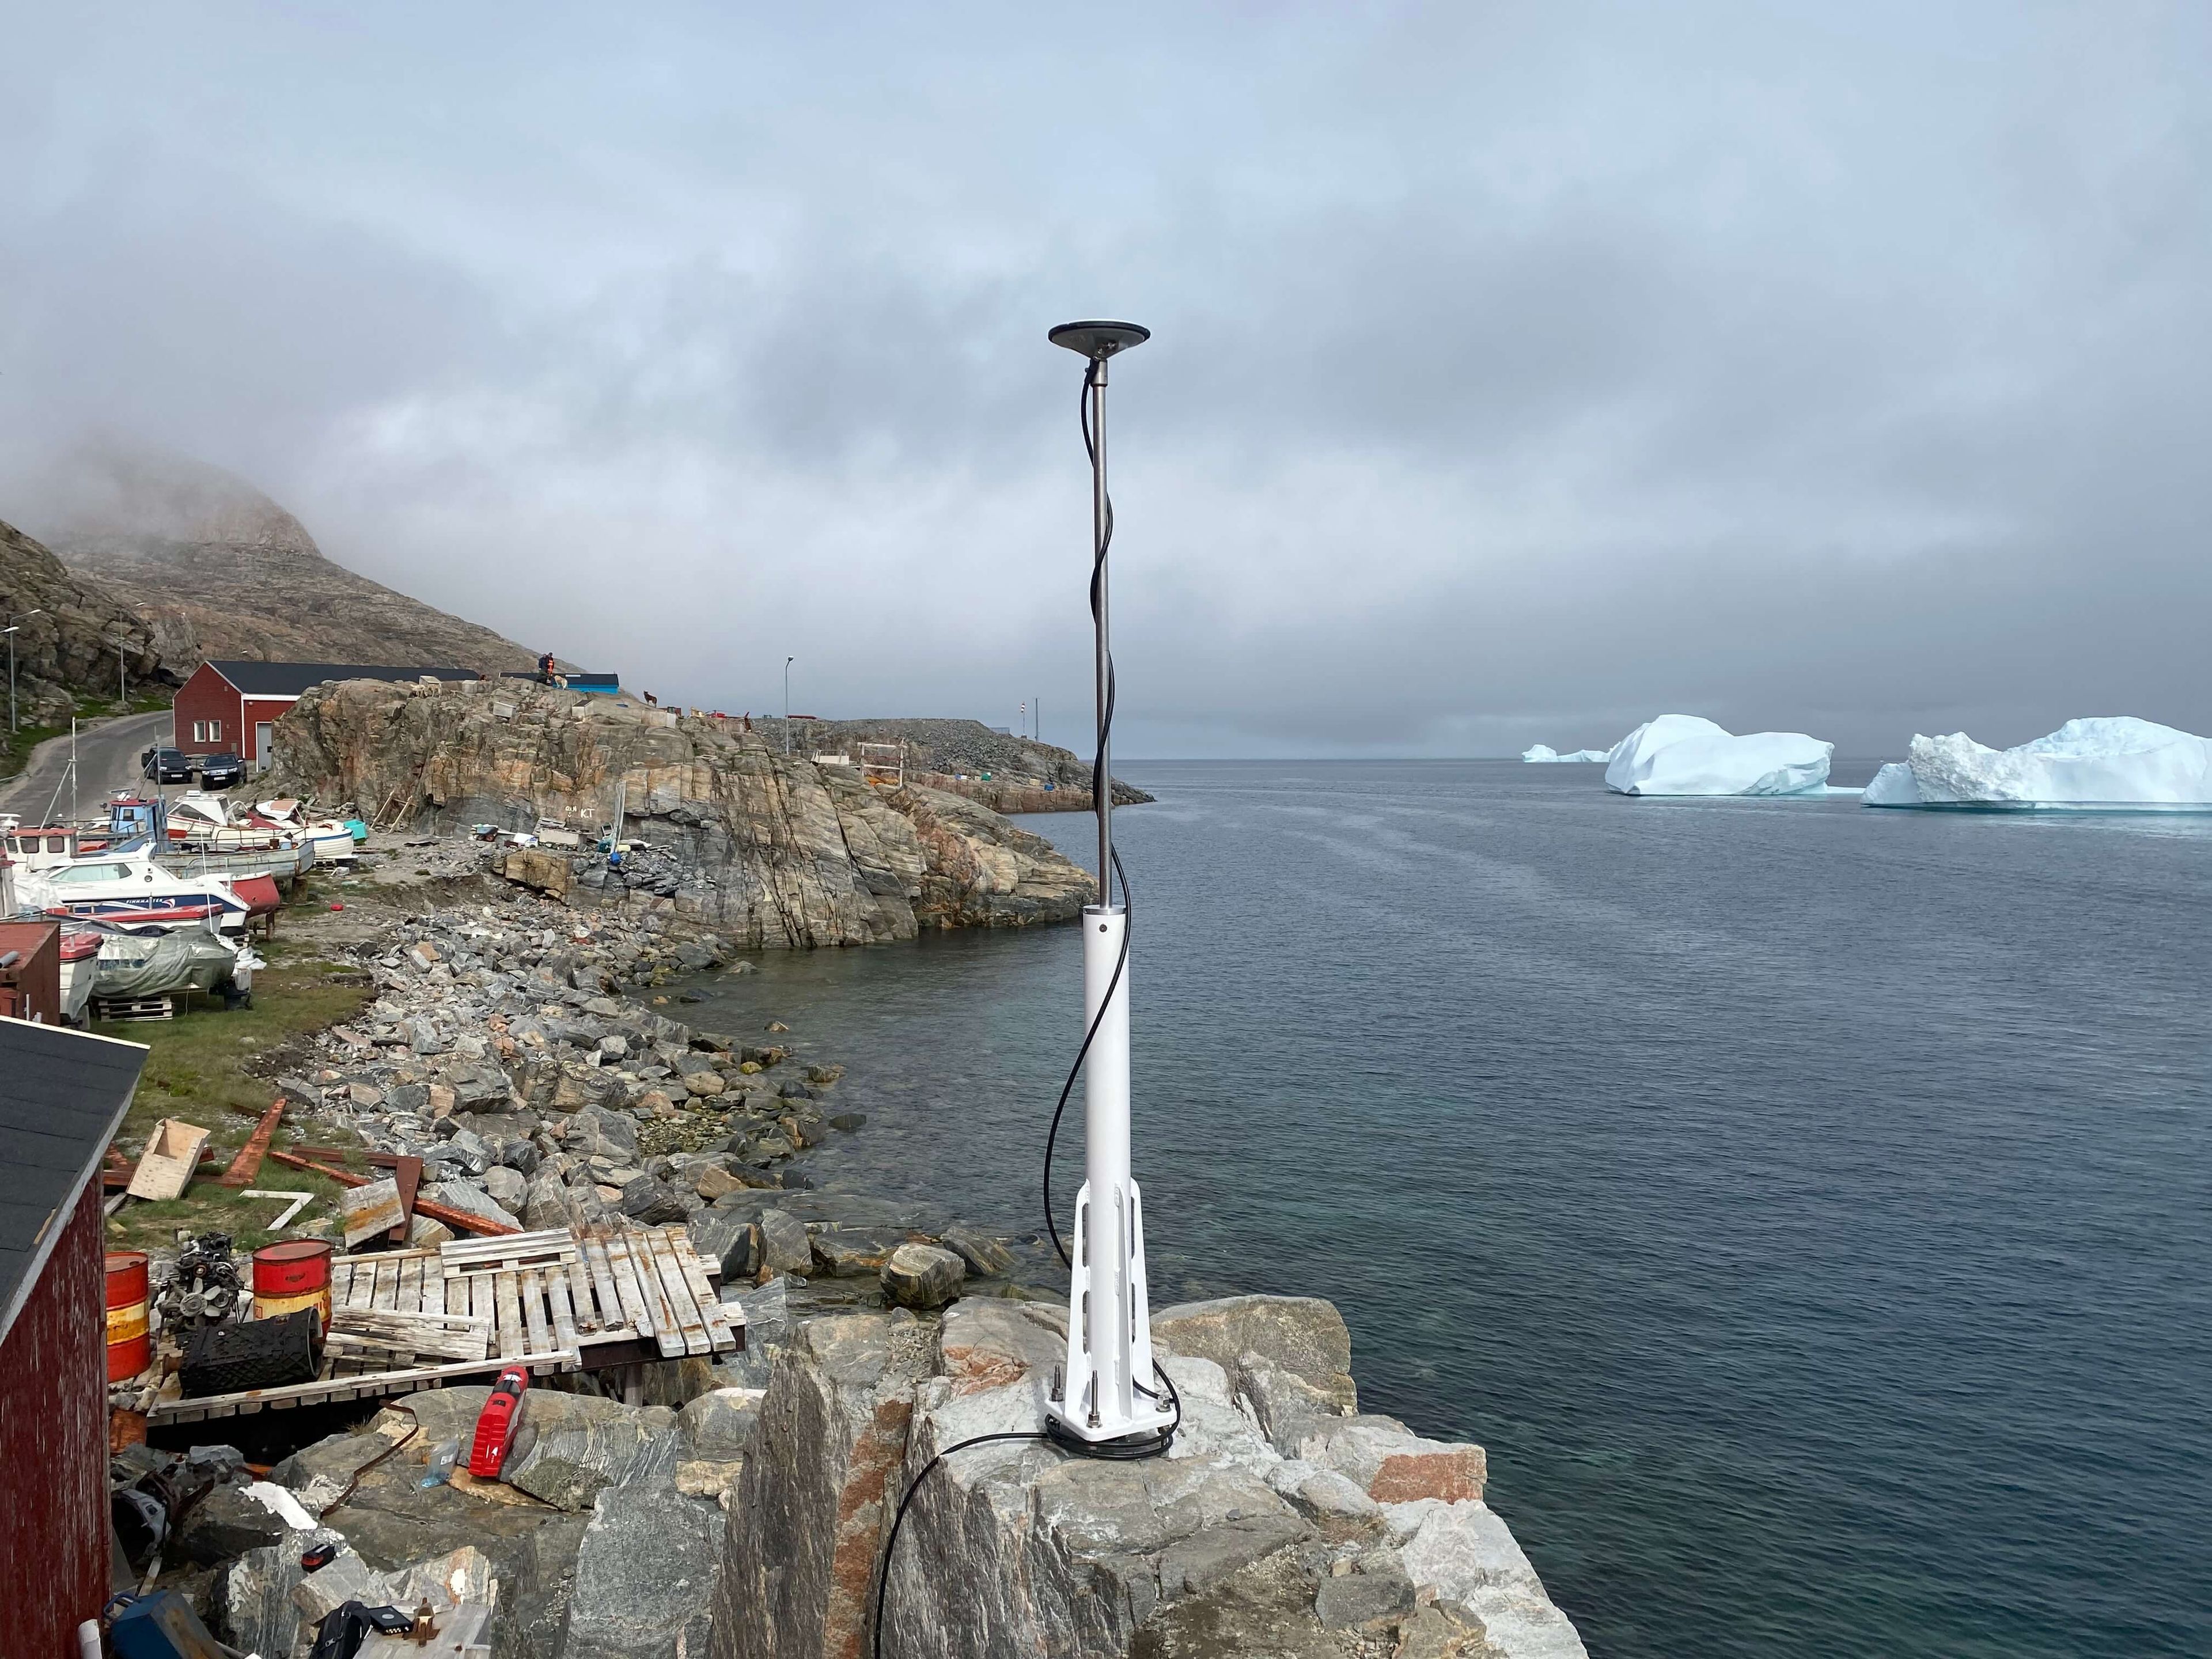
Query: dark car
(221, 771)
(167, 765)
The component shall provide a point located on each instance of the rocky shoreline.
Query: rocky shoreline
(532, 1054)
(768, 850)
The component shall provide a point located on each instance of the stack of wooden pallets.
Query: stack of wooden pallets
(555, 1301)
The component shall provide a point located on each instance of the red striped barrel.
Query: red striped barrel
(129, 1347)
(293, 1275)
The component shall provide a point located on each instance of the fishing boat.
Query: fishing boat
(335, 839)
(35, 847)
(133, 963)
(191, 843)
(131, 889)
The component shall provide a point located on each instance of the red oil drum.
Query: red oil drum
(129, 1348)
(293, 1275)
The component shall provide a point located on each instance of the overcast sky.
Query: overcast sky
(1519, 372)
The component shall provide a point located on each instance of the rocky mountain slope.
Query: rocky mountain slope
(218, 570)
(67, 650)
(770, 850)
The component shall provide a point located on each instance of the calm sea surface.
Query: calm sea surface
(1810, 1207)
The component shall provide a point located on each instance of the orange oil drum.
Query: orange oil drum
(129, 1347)
(293, 1275)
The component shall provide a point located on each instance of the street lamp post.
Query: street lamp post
(788, 661)
(15, 623)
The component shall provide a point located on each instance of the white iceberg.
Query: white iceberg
(1683, 755)
(1542, 752)
(2114, 762)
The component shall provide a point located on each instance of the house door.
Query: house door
(265, 739)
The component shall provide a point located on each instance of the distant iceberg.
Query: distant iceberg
(2108, 761)
(1683, 755)
(1540, 752)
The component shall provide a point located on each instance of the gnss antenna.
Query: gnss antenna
(1107, 1394)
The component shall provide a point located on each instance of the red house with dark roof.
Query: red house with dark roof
(229, 708)
(63, 1095)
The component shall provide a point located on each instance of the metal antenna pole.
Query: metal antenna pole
(1107, 1392)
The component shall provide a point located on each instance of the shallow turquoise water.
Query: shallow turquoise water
(1810, 1207)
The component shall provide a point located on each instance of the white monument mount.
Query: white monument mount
(1109, 1391)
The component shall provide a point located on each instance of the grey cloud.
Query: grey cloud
(1520, 372)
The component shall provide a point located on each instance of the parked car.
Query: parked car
(167, 765)
(220, 771)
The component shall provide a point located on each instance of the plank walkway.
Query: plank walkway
(557, 1300)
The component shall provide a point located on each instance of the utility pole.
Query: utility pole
(788, 661)
(122, 681)
(15, 623)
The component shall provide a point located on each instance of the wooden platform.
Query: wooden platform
(557, 1301)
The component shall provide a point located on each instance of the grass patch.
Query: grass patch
(16, 748)
(199, 1070)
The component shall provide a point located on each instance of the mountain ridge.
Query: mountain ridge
(215, 568)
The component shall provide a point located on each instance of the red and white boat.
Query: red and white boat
(130, 890)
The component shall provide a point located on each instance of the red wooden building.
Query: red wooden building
(31, 971)
(229, 708)
(63, 1095)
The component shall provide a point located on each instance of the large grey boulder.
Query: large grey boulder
(785, 1246)
(767, 1321)
(645, 1577)
(1392, 1465)
(1302, 1335)
(921, 1276)
(570, 1452)
(225, 1524)
(731, 1239)
(467, 1195)
(650, 1202)
(798, 1565)
(1470, 1556)
(719, 1424)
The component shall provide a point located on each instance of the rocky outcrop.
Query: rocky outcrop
(1003, 772)
(215, 569)
(769, 850)
(1360, 1539)
(67, 650)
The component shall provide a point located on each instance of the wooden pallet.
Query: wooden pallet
(134, 1008)
(555, 1301)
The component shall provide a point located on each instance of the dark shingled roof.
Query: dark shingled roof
(289, 679)
(63, 1095)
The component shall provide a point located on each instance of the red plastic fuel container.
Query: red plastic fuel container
(498, 1424)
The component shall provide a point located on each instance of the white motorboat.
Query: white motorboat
(334, 839)
(130, 889)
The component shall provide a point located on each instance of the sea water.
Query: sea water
(1810, 1208)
